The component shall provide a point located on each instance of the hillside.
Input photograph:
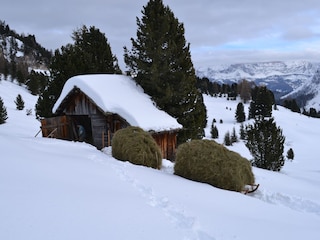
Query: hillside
(54, 189)
(308, 94)
(18, 52)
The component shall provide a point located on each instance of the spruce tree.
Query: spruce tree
(227, 139)
(214, 131)
(3, 112)
(234, 137)
(37, 82)
(265, 141)
(313, 112)
(240, 115)
(292, 105)
(160, 61)
(19, 102)
(90, 53)
(290, 154)
(261, 103)
(242, 132)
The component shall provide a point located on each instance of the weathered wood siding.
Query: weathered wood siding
(99, 130)
(167, 142)
(62, 124)
(80, 104)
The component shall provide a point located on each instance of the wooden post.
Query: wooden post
(38, 132)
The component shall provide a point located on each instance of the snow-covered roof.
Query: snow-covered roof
(120, 94)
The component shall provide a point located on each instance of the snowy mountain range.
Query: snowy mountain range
(280, 77)
(308, 94)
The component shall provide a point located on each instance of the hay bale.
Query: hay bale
(209, 162)
(135, 145)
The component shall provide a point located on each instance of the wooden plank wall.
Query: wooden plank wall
(99, 130)
(167, 142)
(63, 125)
(80, 105)
(104, 127)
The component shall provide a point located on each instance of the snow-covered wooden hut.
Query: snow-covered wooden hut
(105, 103)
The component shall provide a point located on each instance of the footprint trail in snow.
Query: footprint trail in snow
(188, 224)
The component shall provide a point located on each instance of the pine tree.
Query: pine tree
(19, 102)
(290, 154)
(261, 103)
(3, 112)
(292, 105)
(160, 61)
(242, 132)
(234, 137)
(266, 143)
(90, 53)
(313, 112)
(240, 115)
(37, 82)
(214, 131)
(227, 139)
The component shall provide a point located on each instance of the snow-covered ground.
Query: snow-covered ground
(54, 189)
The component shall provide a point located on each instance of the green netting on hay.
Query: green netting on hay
(209, 162)
(135, 145)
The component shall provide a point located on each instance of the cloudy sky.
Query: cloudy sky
(219, 31)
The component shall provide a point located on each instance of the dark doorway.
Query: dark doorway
(82, 123)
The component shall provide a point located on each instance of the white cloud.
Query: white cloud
(257, 30)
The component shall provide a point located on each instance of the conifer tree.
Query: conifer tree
(90, 53)
(240, 114)
(234, 137)
(37, 82)
(160, 61)
(242, 132)
(214, 131)
(313, 112)
(292, 105)
(266, 143)
(227, 139)
(290, 154)
(3, 112)
(261, 103)
(19, 102)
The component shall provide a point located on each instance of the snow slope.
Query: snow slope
(54, 189)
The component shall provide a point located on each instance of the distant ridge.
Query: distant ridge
(282, 77)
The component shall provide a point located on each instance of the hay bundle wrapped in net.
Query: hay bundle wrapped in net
(209, 162)
(135, 145)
